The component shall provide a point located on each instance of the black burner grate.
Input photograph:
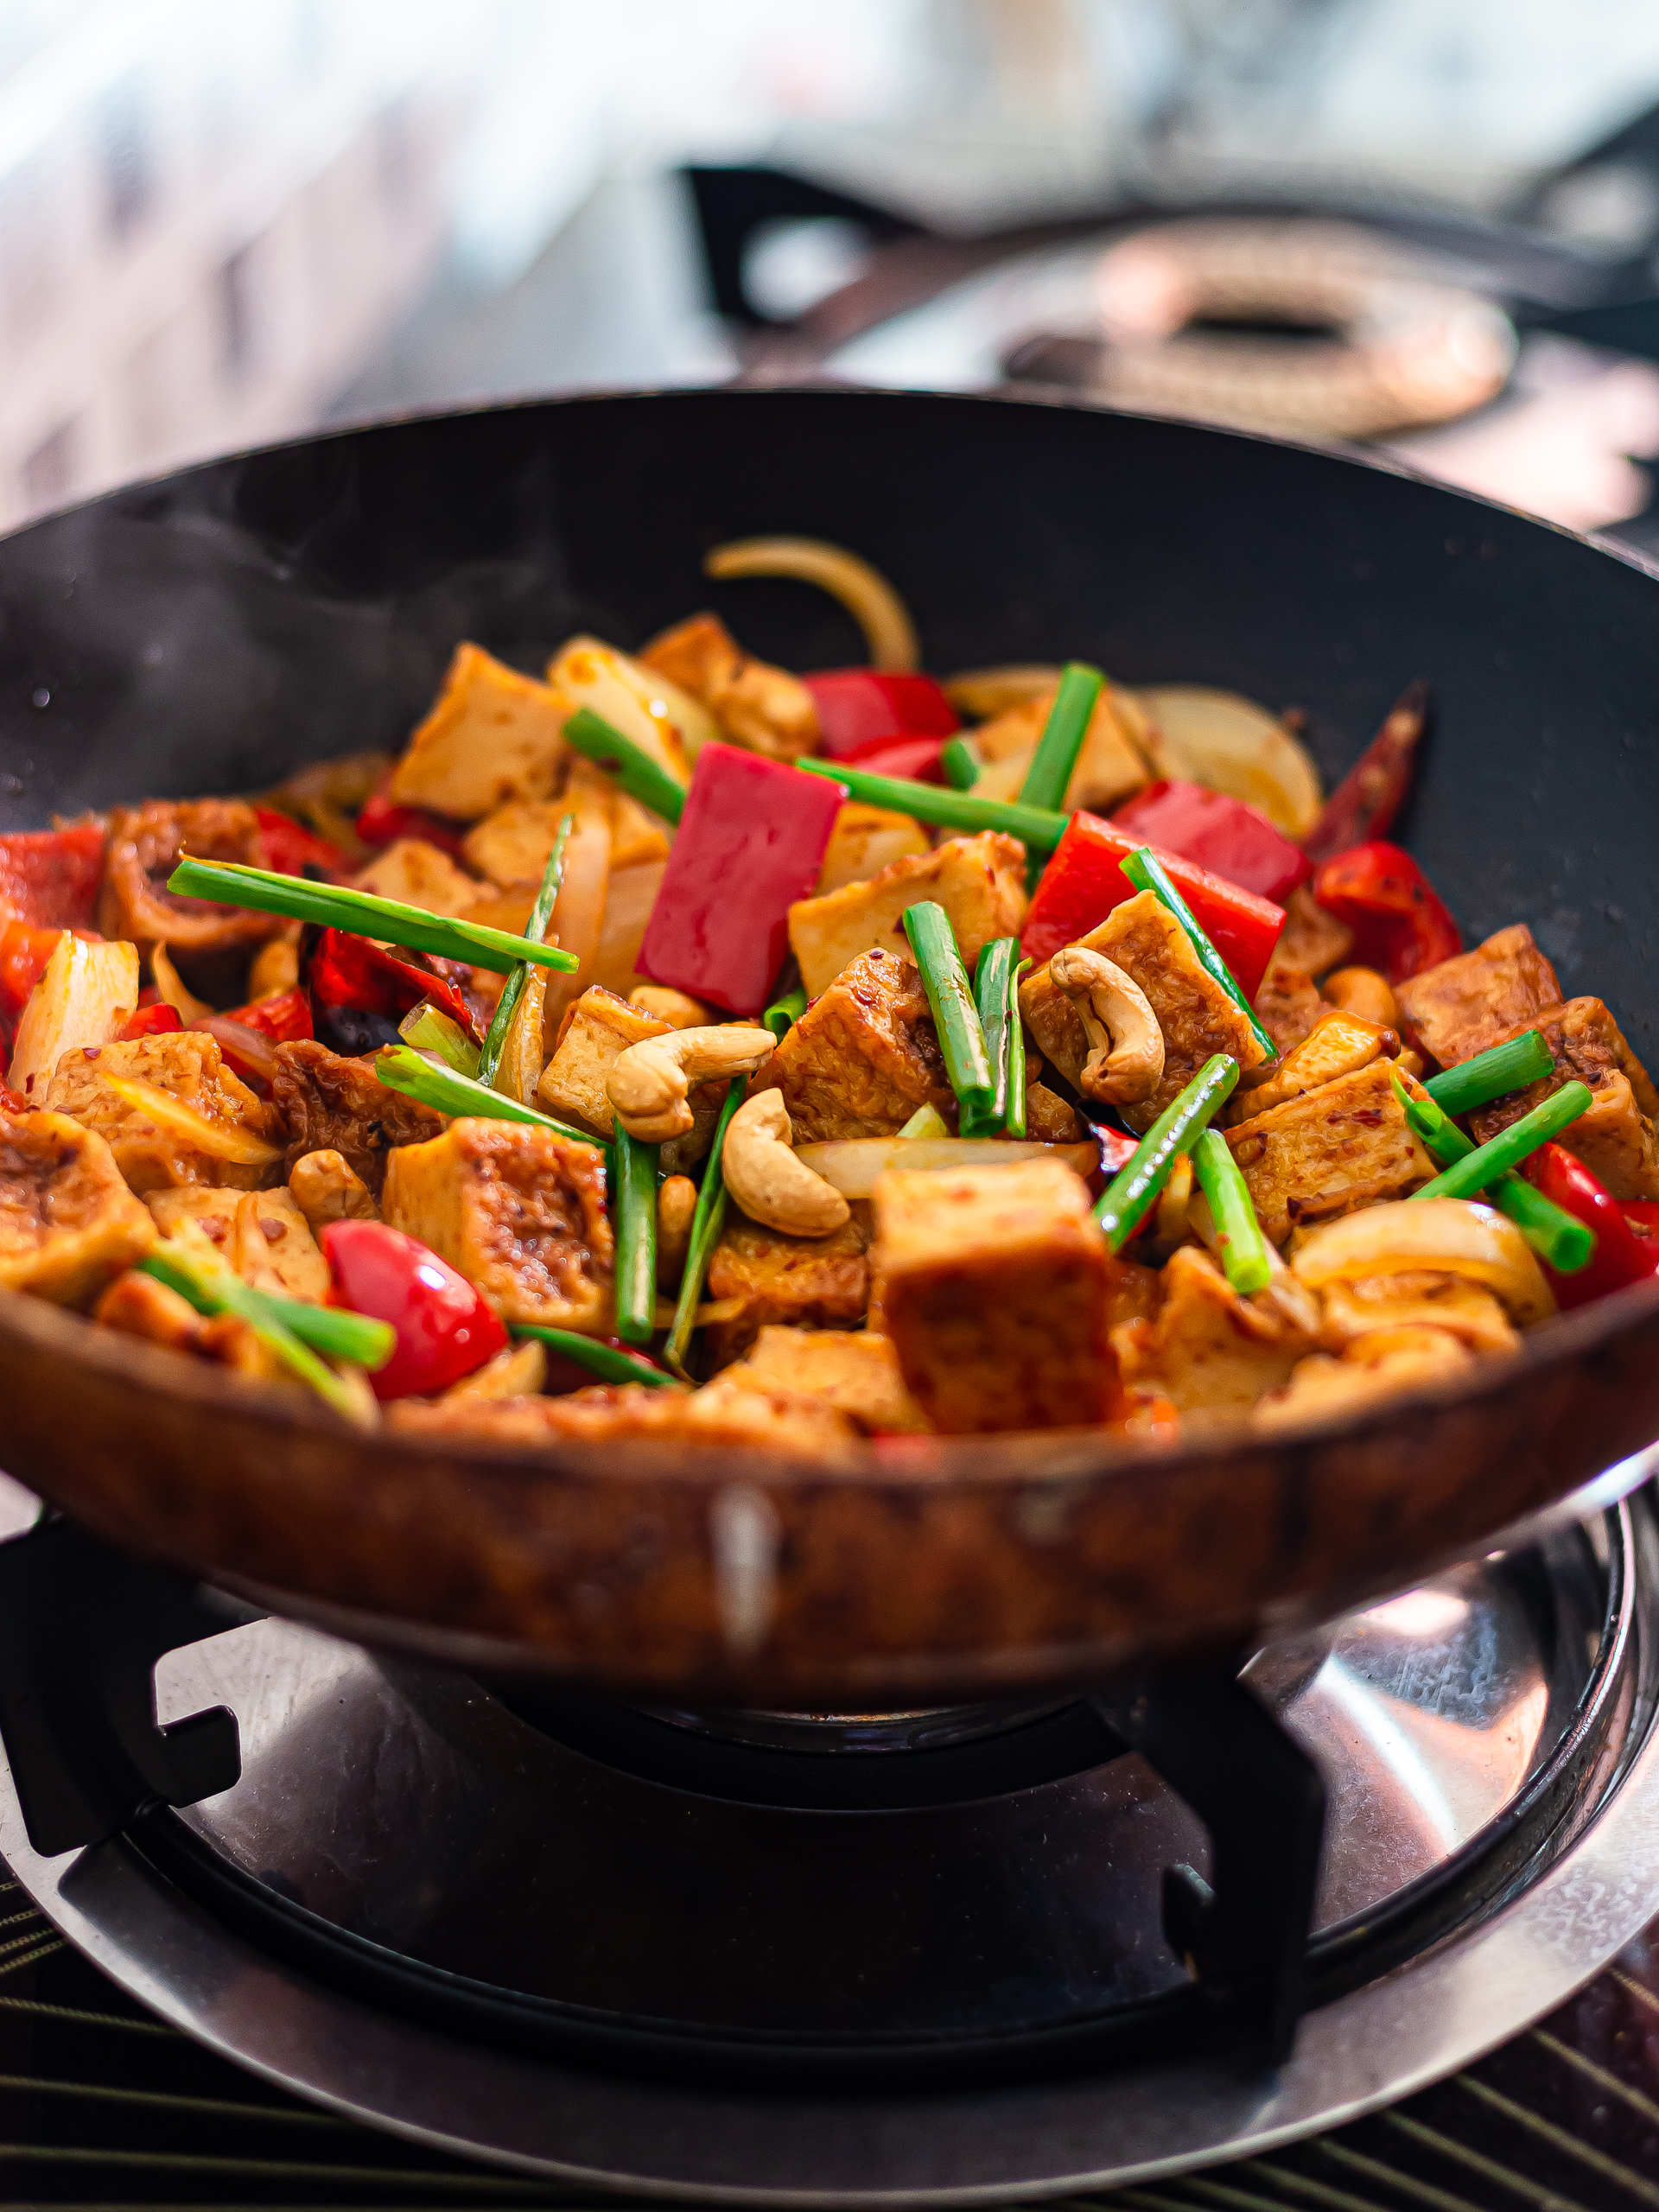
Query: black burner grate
(100, 2106)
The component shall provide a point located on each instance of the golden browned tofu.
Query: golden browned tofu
(211, 1209)
(755, 704)
(493, 736)
(864, 1055)
(995, 1285)
(1110, 764)
(330, 1103)
(722, 1414)
(1375, 1366)
(1049, 1119)
(1336, 1044)
(521, 1211)
(865, 840)
(512, 845)
(1458, 1008)
(69, 1223)
(138, 1306)
(211, 945)
(1417, 1298)
(188, 1119)
(766, 1277)
(420, 876)
(854, 1369)
(1615, 1137)
(1333, 1150)
(262, 1234)
(1208, 1350)
(1288, 1004)
(1311, 941)
(595, 1033)
(980, 882)
(1196, 1015)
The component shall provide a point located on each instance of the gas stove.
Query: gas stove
(932, 1956)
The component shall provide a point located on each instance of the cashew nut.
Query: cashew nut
(771, 1184)
(648, 1084)
(1126, 1058)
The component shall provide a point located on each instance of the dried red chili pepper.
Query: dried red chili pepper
(284, 1017)
(382, 822)
(345, 970)
(156, 1019)
(1364, 804)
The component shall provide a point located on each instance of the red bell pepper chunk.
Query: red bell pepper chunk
(289, 847)
(1397, 920)
(52, 877)
(1084, 881)
(1228, 836)
(284, 1017)
(445, 1326)
(346, 970)
(1621, 1257)
(750, 843)
(1642, 1215)
(918, 758)
(24, 951)
(382, 822)
(157, 1021)
(857, 706)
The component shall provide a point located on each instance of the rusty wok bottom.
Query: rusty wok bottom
(214, 631)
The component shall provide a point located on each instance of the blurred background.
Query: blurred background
(1427, 225)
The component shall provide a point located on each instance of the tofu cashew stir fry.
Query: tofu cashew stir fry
(672, 1046)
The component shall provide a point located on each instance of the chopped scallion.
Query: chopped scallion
(1016, 1116)
(960, 766)
(1144, 867)
(707, 1221)
(1561, 1241)
(1492, 1074)
(216, 1291)
(1134, 1189)
(1056, 757)
(635, 1198)
(956, 1017)
(401, 1070)
(782, 1015)
(605, 1361)
(495, 1037)
(427, 1030)
(946, 808)
(1243, 1248)
(1470, 1176)
(640, 776)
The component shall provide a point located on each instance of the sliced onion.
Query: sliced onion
(863, 591)
(981, 693)
(851, 1165)
(668, 727)
(220, 1140)
(251, 1054)
(173, 990)
(1233, 746)
(1456, 1236)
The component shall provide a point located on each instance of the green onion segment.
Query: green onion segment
(707, 1221)
(1564, 1243)
(993, 995)
(1491, 1074)
(635, 1201)
(1050, 773)
(399, 1069)
(967, 1062)
(337, 906)
(1468, 1177)
(495, 1037)
(425, 1028)
(783, 1013)
(1243, 1248)
(1143, 867)
(960, 769)
(211, 1292)
(1130, 1195)
(605, 1361)
(946, 808)
(640, 776)
(1016, 1118)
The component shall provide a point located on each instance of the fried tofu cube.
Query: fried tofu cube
(722, 1414)
(854, 1369)
(1615, 1136)
(511, 847)
(1376, 1366)
(759, 706)
(766, 1277)
(980, 882)
(493, 736)
(262, 1234)
(1336, 1044)
(1416, 1298)
(1288, 1004)
(1457, 1009)
(1110, 763)
(663, 719)
(1208, 1350)
(328, 1102)
(201, 1124)
(519, 1210)
(420, 875)
(995, 1285)
(1197, 1016)
(865, 839)
(1333, 1150)
(864, 1056)
(595, 1032)
(69, 1223)
(325, 1187)
(211, 1209)
(138, 1306)
(1311, 941)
